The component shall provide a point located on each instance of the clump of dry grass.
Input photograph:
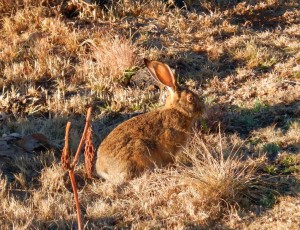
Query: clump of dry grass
(135, 8)
(257, 56)
(113, 56)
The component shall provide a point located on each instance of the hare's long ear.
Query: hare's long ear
(162, 73)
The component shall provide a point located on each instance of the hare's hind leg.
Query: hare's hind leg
(112, 171)
(139, 164)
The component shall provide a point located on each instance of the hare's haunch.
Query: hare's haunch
(151, 139)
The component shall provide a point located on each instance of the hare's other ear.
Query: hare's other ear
(162, 73)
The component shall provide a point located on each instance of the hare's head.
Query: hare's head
(179, 97)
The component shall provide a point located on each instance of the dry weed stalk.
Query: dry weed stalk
(65, 156)
(89, 153)
(89, 157)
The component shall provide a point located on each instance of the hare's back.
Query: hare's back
(154, 129)
(143, 126)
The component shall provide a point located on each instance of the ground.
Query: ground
(241, 169)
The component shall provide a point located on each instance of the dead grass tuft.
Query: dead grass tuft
(114, 56)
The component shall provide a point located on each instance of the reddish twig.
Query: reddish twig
(65, 159)
(87, 124)
(74, 187)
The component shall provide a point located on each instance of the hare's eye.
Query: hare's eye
(190, 98)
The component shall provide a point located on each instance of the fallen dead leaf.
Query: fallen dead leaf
(33, 142)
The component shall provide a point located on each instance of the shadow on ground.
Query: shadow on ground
(258, 17)
(244, 121)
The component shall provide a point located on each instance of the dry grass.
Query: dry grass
(173, 198)
(56, 59)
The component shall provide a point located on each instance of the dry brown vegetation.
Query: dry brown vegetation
(242, 168)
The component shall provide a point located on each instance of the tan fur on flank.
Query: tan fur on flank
(151, 139)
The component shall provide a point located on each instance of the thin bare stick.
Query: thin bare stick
(65, 159)
(292, 82)
(87, 124)
(65, 156)
(74, 187)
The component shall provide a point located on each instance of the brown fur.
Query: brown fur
(151, 139)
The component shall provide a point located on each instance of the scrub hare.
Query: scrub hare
(152, 139)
